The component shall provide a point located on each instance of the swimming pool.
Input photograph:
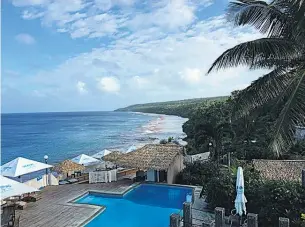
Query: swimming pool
(146, 205)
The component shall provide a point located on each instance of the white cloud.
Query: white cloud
(161, 52)
(81, 87)
(191, 76)
(109, 84)
(29, 2)
(25, 38)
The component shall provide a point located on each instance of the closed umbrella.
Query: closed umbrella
(240, 201)
(10, 188)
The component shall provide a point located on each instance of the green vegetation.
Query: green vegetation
(255, 123)
(269, 199)
(181, 108)
(282, 51)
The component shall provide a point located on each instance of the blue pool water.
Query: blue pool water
(146, 205)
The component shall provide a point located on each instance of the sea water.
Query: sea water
(65, 135)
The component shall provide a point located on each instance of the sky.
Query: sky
(87, 55)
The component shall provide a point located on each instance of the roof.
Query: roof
(151, 156)
(67, 166)
(289, 170)
(113, 156)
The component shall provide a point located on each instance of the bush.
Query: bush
(163, 141)
(197, 173)
(269, 199)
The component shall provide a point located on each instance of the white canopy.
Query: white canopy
(101, 154)
(10, 188)
(240, 201)
(131, 148)
(85, 160)
(21, 166)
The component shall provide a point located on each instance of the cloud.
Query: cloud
(81, 87)
(25, 39)
(150, 51)
(109, 84)
(191, 76)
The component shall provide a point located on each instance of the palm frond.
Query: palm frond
(262, 90)
(282, 63)
(267, 18)
(249, 53)
(292, 115)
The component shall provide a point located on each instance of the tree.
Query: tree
(282, 51)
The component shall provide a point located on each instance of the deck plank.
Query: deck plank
(54, 211)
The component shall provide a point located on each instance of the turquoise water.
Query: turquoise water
(146, 205)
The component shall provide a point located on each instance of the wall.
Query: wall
(39, 182)
(175, 167)
(151, 175)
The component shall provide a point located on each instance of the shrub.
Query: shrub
(163, 141)
(269, 199)
(197, 173)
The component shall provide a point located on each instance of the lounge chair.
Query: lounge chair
(21, 205)
(73, 180)
(62, 182)
(33, 197)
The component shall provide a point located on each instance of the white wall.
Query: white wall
(151, 175)
(175, 167)
(42, 182)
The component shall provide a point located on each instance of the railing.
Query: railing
(186, 219)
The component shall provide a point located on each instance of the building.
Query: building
(288, 170)
(161, 161)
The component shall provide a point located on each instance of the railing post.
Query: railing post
(187, 214)
(303, 178)
(219, 217)
(193, 195)
(174, 220)
(252, 220)
(283, 222)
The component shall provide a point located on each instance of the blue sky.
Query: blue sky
(78, 55)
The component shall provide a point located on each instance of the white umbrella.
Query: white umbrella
(10, 188)
(101, 154)
(21, 166)
(131, 148)
(85, 160)
(240, 201)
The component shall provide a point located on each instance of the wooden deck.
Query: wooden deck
(53, 210)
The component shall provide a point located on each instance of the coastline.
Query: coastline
(65, 135)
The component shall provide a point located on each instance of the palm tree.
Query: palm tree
(218, 135)
(282, 51)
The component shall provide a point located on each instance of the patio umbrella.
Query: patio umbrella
(10, 188)
(85, 160)
(21, 166)
(131, 148)
(67, 166)
(240, 201)
(101, 154)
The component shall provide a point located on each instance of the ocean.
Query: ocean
(65, 135)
